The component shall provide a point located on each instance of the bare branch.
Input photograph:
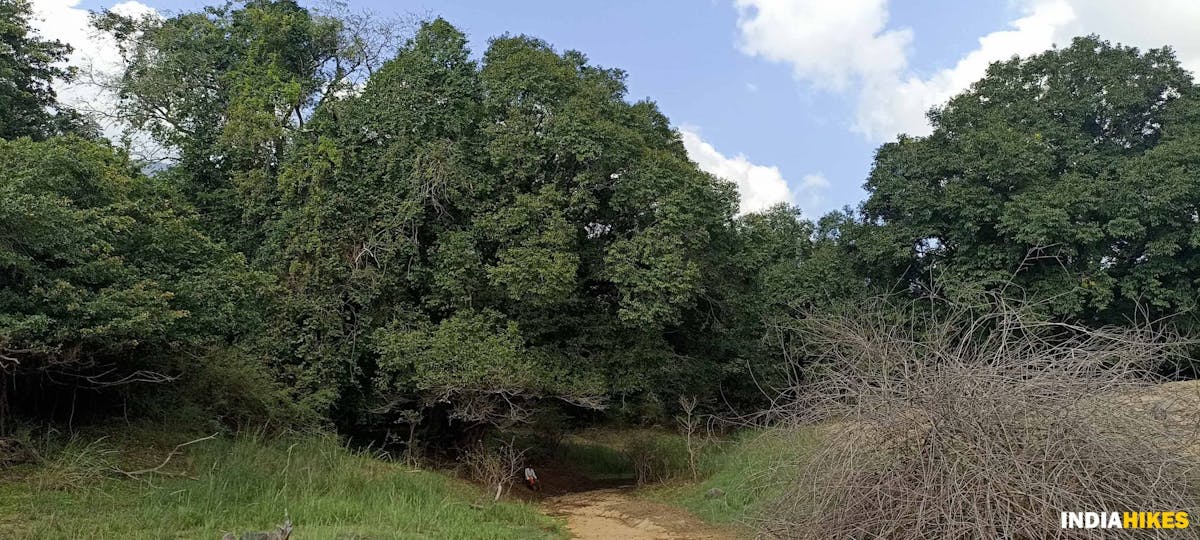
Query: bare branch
(176, 451)
(979, 420)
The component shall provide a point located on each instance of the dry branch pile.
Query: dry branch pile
(494, 466)
(979, 422)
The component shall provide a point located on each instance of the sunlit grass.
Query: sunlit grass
(248, 484)
(748, 471)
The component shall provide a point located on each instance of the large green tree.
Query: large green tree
(1072, 173)
(450, 205)
(29, 65)
(459, 235)
(224, 90)
(103, 271)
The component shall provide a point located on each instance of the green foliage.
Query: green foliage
(1071, 171)
(224, 389)
(511, 229)
(104, 268)
(473, 237)
(223, 90)
(28, 65)
(766, 267)
(472, 360)
(478, 235)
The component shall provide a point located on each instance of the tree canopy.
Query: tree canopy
(415, 232)
(29, 65)
(521, 196)
(104, 270)
(1071, 173)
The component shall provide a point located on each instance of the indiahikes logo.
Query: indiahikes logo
(1124, 520)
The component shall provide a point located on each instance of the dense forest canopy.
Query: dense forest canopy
(415, 233)
(1072, 173)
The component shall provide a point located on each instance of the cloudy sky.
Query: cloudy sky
(787, 98)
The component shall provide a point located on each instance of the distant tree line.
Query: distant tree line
(370, 231)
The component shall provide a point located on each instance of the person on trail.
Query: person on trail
(531, 480)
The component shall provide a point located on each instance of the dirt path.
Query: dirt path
(611, 514)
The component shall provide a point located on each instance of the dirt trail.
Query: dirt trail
(611, 514)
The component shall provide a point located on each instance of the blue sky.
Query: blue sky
(795, 92)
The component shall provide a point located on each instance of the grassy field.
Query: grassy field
(611, 453)
(748, 470)
(247, 484)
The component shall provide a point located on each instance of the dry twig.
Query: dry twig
(174, 452)
(978, 421)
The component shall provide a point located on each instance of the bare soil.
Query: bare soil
(615, 513)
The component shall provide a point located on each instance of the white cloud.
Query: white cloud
(827, 43)
(811, 195)
(834, 44)
(759, 186)
(63, 20)
(1149, 24)
(896, 104)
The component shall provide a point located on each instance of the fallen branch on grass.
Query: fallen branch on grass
(158, 470)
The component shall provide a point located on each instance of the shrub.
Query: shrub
(225, 389)
(497, 465)
(73, 464)
(657, 457)
(978, 422)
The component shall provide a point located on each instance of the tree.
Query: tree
(29, 65)
(225, 90)
(770, 267)
(103, 270)
(450, 205)
(470, 239)
(1072, 171)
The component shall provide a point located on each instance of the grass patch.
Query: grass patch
(622, 453)
(749, 471)
(595, 461)
(247, 483)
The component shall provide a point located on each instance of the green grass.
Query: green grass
(606, 453)
(750, 470)
(594, 460)
(245, 484)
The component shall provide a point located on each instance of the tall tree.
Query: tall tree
(451, 205)
(226, 88)
(103, 270)
(1072, 171)
(29, 66)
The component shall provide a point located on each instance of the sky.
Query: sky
(787, 98)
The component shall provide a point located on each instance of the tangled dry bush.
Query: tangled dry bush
(496, 465)
(979, 421)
